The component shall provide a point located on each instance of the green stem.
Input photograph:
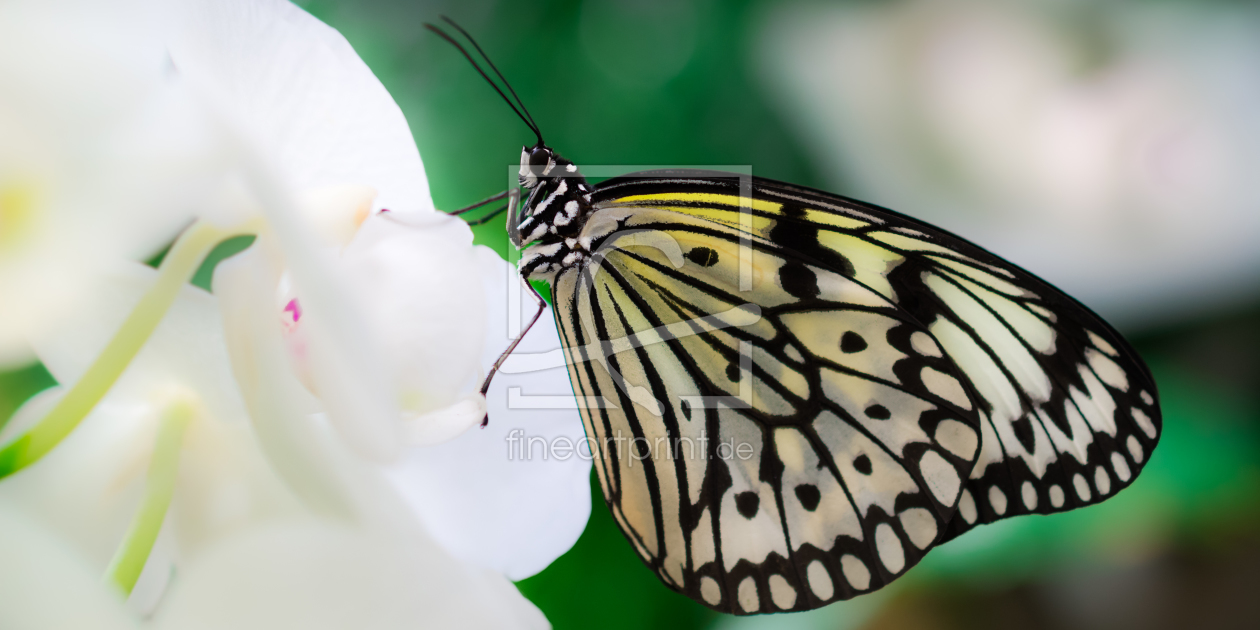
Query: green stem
(178, 266)
(124, 569)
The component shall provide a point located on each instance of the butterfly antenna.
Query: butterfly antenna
(486, 57)
(528, 121)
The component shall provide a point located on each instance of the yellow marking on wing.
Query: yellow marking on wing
(726, 200)
(871, 263)
(739, 220)
(910, 243)
(745, 222)
(827, 218)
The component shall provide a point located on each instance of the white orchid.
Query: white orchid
(87, 167)
(289, 420)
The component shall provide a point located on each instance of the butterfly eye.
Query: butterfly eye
(539, 158)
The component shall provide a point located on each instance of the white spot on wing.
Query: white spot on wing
(1102, 481)
(945, 386)
(793, 354)
(1135, 449)
(941, 477)
(956, 438)
(1081, 486)
(1056, 496)
(967, 507)
(703, 549)
(855, 571)
(820, 580)
(1042, 311)
(782, 593)
(1120, 466)
(1098, 407)
(710, 591)
(1146, 397)
(990, 448)
(1144, 422)
(920, 526)
(1029, 495)
(891, 554)
(1101, 344)
(997, 499)
(748, 595)
(1107, 370)
(923, 344)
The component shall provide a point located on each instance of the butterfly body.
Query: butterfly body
(550, 225)
(794, 396)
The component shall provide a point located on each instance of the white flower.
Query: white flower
(1116, 160)
(89, 170)
(325, 541)
(316, 99)
(301, 493)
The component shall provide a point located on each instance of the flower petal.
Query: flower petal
(314, 576)
(301, 89)
(93, 164)
(279, 405)
(45, 585)
(484, 501)
(445, 424)
(416, 279)
(87, 489)
(186, 349)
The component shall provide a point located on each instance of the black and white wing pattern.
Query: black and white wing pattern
(768, 449)
(793, 396)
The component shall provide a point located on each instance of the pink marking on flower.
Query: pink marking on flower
(294, 309)
(384, 210)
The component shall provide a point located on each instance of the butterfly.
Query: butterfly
(793, 396)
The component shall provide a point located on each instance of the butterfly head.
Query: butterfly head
(558, 198)
(541, 162)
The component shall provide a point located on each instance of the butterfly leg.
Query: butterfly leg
(542, 305)
(487, 200)
(486, 219)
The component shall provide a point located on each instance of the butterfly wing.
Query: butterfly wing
(1069, 413)
(771, 434)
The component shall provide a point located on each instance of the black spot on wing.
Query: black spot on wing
(878, 412)
(703, 256)
(809, 496)
(851, 342)
(1024, 433)
(747, 503)
(798, 280)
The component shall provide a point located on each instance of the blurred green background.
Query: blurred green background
(662, 82)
